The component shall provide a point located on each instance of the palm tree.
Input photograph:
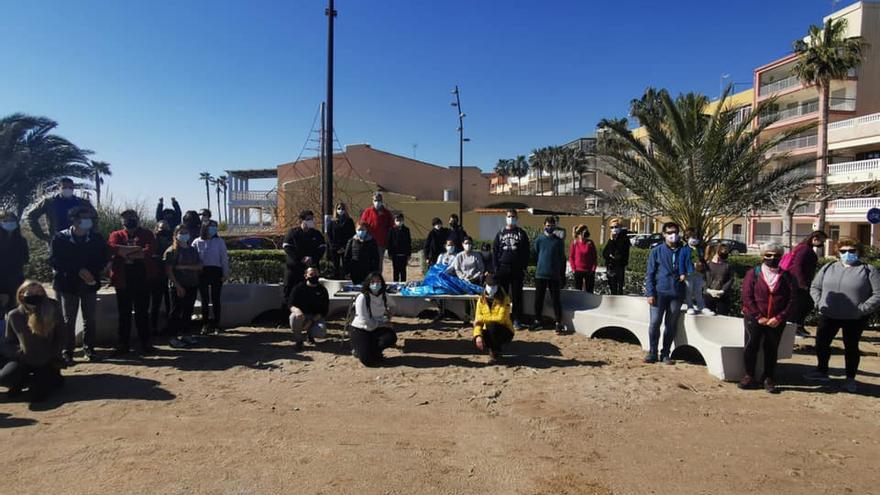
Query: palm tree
(704, 169)
(32, 159)
(222, 181)
(502, 168)
(827, 55)
(206, 176)
(216, 182)
(99, 169)
(537, 163)
(521, 169)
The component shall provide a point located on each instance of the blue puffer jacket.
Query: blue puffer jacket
(663, 271)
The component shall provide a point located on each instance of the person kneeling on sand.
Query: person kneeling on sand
(309, 302)
(493, 327)
(31, 347)
(371, 330)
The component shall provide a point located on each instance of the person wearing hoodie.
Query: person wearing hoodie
(304, 246)
(309, 302)
(768, 298)
(379, 221)
(847, 293)
(616, 255)
(511, 251)
(664, 287)
(361, 256)
(171, 216)
(582, 259)
(468, 264)
(399, 247)
(56, 209)
(341, 229)
(14, 254)
(456, 232)
(435, 243)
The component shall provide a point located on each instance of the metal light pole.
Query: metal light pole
(330, 12)
(461, 141)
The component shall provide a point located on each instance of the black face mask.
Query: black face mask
(722, 256)
(130, 223)
(312, 280)
(771, 262)
(33, 300)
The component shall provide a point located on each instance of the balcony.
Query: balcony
(777, 86)
(835, 105)
(858, 206)
(859, 131)
(857, 171)
(794, 144)
(253, 197)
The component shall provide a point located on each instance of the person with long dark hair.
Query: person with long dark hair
(493, 328)
(340, 231)
(14, 254)
(215, 269)
(583, 259)
(183, 268)
(801, 263)
(371, 330)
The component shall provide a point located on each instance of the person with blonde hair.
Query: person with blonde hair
(14, 254)
(34, 337)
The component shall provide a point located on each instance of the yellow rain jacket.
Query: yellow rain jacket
(498, 313)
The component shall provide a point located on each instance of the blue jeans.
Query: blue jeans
(670, 306)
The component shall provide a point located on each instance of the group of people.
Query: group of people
(782, 288)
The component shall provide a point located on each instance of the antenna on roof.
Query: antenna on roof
(415, 147)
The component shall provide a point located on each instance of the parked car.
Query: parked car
(647, 241)
(734, 247)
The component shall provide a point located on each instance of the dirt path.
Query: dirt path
(566, 415)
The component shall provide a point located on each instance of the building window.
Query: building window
(834, 230)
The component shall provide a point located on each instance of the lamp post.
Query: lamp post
(327, 138)
(461, 141)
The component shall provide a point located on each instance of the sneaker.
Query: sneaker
(770, 386)
(354, 353)
(189, 339)
(747, 383)
(707, 312)
(67, 357)
(817, 376)
(91, 356)
(667, 360)
(206, 330)
(650, 358)
(517, 325)
(298, 347)
(536, 325)
(177, 343)
(561, 329)
(311, 340)
(850, 385)
(691, 311)
(801, 333)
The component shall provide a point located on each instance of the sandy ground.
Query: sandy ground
(243, 413)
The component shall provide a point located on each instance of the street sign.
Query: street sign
(874, 215)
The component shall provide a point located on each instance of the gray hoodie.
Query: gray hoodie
(846, 292)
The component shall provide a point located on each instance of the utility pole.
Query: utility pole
(322, 168)
(330, 12)
(461, 140)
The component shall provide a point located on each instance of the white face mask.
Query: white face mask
(467, 246)
(450, 249)
(340, 212)
(615, 230)
(491, 290)
(672, 238)
(693, 241)
(310, 224)
(511, 220)
(377, 204)
(398, 223)
(438, 226)
(67, 192)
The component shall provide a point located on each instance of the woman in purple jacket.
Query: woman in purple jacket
(768, 297)
(802, 267)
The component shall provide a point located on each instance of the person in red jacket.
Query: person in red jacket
(379, 221)
(132, 270)
(768, 299)
(582, 258)
(802, 267)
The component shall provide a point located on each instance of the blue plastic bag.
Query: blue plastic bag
(439, 282)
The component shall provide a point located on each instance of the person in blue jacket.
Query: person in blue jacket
(665, 289)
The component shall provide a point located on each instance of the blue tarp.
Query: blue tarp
(438, 282)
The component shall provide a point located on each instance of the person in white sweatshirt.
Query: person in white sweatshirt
(371, 330)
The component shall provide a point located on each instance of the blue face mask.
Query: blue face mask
(183, 238)
(849, 258)
(85, 224)
(362, 234)
(9, 226)
(212, 231)
(375, 288)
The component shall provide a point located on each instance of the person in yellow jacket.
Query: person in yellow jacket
(493, 327)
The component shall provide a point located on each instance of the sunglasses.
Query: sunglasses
(771, 256)
(848, 251)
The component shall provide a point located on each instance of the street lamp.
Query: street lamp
(461, 141)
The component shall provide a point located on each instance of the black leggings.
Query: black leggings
(135, 296)
(159, 294)
(754, 336)
(511, 279)
(369, 345)
(211, 285)
(541, 286)
(852, 332)
(720, 305)
(585, 281)
(496, 335)
(39, 379)
(180, 319)
(398, 263)
(616, 276)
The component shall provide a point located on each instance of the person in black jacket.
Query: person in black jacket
(616, 255)
(341, 229)
(361, 255)
(309, 303)
(171, 216)
(456, 232)
(304, 246)
(399, 247)
(435, 243)
(14, 254)
(78, 256)
(511, 253)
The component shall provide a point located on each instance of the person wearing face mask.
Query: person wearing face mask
(215, 270)
(193, 223)
(371, 330)
(308, 303)
(32, 344)
(456, 232)
(78, 256)
(435, 243)
(801, 262)
(616, 256)
(132, 271)
(183, 268)
(448, 256)
(56, 209)
(399, 247)
(493, 327)
(664, 288)
(361, 255)
(692, 269)
(768, 297)
(204, 215)
(549, 274)
(304, 246)
(468, 264)
(379, 221)
(847, 293)
(511, 251)
(14, 254)
(171, 216)
(488, 259)
(583, 260)
(340, 231)
(719, 282)
(159, 286)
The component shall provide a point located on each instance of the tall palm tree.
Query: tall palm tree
(216, 182)
(206, 176)
(703, 168)
(826, 56)
(222, 181)
(537, 163)
(98, 170)
(521, 169)
(502, 168)
(32, 159)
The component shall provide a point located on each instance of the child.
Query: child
(449, 256)
(691, 273)
(371, 331)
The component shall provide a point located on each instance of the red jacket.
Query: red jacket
(143, 238)
(582, 256)
(759, 302)
(379, 222)
(803, 265)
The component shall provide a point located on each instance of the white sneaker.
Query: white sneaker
(707, 312)
(691, 311)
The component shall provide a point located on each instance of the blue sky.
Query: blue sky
(164, 90)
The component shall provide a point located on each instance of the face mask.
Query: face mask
(615, 230)
(549, 230)
(693, 241)
(438, 226)
(849, 258)
(85, 224)
(377, 204)
(183, 238)
(312, 280)
(130, 223)
(453, 223)
(723, 256)
(362, 234)
(33, 299)
(340, 213)
(467, 247)
(398, 223)
(672, 238)
(491, 290)
(375, 287)
(310, 224)
(511, 220)
(771, 262)
(212, 231)
(67, 192)
(9, 226)
(205, 219)
(450, 249)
